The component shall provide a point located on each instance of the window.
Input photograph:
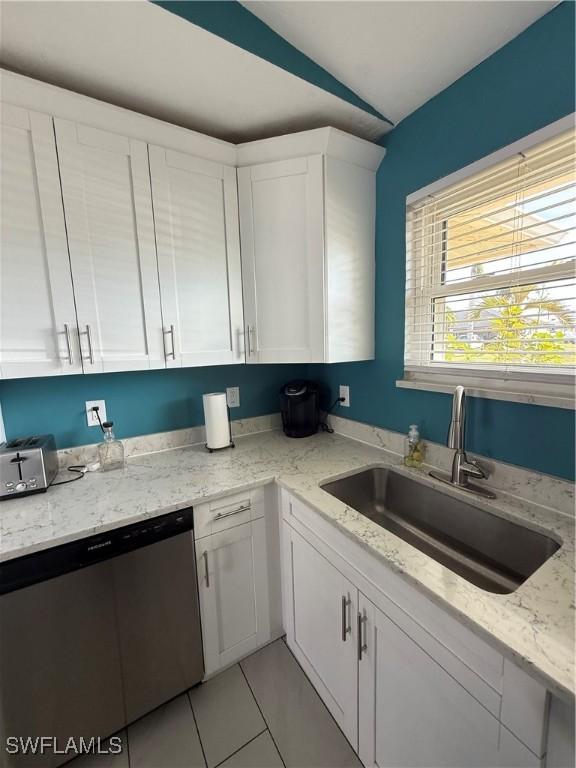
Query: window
(491, 282)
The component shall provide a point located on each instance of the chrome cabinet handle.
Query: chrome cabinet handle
(248, 345)
(362, 645)
(68, 345)
(345, 627)
(251, 347)
(205, 556)
(90, 355)
(171, 354)
(241, 508)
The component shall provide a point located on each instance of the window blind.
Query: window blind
(490, 281)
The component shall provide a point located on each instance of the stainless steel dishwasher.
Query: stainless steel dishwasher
(97, 632)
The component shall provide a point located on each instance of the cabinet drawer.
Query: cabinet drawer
(221, 514)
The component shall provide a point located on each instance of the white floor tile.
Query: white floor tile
(302, 728)
(166, 738)
(226, 714)
(259, 753)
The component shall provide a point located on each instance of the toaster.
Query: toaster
(27, 465)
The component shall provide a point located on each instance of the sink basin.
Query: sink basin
(489, 551)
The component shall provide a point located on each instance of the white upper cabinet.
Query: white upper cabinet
(307, 222)
(196, 218)
(282, 235)
(108, 207)
(121, 242)
(37, 316)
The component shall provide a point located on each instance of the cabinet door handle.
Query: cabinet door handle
(248, 344)
(207, 572)
(362, 645)
(172, 353)
(68, 345)
(90, 356)
(252, 348)
(345, 627)
(241, 508)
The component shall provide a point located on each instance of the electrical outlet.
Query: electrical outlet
(345, 393)
(91, 417)
(233, 397)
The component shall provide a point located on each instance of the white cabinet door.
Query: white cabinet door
(411, 711)
(37, 314)
(233, 587)
(107, 201)
(322, 629)
(196, 218)
(282, 229)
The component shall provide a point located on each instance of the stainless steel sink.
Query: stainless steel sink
(489, 551)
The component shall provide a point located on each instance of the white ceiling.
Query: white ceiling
(398, 54)
(139, 56)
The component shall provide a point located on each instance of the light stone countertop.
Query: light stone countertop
(534, 626)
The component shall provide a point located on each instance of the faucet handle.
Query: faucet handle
(473, 468)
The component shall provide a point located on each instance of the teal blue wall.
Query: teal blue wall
(230, 20)
(522, 87)
(139, 403)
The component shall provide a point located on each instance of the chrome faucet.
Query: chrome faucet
(462, 467)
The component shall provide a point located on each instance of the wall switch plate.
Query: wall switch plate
(345, 393)
(233, 397)
(91, 417)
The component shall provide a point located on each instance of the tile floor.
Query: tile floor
(261, 713)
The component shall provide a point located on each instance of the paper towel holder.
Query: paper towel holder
(222, 448)
(218, 439)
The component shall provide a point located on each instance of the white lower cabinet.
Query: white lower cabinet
(411, 711)
(409, 686)
(238, 577)
(322, 634)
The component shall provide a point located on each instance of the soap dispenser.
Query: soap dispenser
(414, 448)
(111, 451)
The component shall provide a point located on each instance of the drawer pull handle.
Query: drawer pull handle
(207, 572)
(241, 508)
(362, 645)
(345, 627)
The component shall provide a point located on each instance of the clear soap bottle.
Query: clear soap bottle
(414, 450)
(111, 451)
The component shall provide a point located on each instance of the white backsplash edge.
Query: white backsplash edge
(166, 441)
(536, 487)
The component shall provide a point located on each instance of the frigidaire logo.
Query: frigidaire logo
(42, 745)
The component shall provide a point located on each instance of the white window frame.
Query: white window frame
(554, 389)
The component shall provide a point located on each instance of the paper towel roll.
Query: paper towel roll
(216, 420)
